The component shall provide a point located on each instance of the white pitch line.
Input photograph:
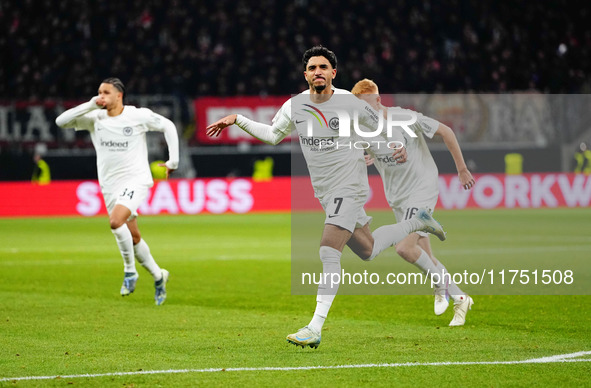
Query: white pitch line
(565, 358)
(559, 357)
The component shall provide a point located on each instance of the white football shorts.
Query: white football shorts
(345, 211)
(131, 196)
(408, 209)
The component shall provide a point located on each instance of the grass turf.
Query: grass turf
(230, 306)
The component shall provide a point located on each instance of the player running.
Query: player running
(118, 133)
(414, 185)
(338, 174)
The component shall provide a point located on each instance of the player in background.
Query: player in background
(118, 133)
(338, 174)
(414, 185)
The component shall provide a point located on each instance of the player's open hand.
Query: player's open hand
(168, 170)
(368, 160)
(400, 155)
(466, 179)
(216, 128)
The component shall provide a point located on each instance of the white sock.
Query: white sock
(331, 263)
(143, 255)
(454, 291)
(425, 264)
(125, 244)
(388, 235)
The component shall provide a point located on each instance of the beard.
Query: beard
(320, 88)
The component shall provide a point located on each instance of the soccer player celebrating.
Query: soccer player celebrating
(338, 174)
(412, 186)
(118, 133)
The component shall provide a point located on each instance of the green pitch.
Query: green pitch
(230, 306)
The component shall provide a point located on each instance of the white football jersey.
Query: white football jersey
(417, 178)
(335, 161)
(120, 143)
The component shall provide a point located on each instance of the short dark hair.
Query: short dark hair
(319, 51)
(116, 82)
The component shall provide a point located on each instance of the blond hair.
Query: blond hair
(365, 86)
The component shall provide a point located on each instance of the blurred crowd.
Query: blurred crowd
(193, 47)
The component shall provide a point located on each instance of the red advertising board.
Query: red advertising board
(181, 196)
(516, 191)
(490, 191)
(176, 196)
(211, 109)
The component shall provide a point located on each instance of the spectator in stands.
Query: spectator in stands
(194, 48)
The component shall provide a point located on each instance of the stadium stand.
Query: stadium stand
(228, 48)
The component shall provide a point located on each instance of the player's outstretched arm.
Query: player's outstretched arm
(270, 134)
(451, 142)
(68, 118)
